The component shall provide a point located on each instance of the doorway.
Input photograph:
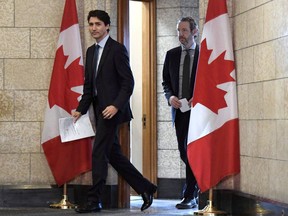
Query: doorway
(143, 62)
(135, 24)
(148, 115)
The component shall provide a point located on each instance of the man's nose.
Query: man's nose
(94, 26)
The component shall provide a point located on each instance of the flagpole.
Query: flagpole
(209, 209)
(64, 203)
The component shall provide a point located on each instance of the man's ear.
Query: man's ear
(195, 31)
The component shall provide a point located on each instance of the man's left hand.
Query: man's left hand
(109, 112)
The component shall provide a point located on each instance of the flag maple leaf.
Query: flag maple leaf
(208, 77)
(63, 80)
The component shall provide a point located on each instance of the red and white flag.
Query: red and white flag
(213, 137)
(70, 159)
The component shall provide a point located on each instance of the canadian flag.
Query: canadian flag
(213, 137)
(66, 160)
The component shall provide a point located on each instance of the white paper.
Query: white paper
(185, 106)
(70, 131)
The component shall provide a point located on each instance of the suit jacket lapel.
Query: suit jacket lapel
(194, 69)
(90, 55)
(176, 68)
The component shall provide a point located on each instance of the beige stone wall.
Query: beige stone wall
(29, 32)
(261, 44)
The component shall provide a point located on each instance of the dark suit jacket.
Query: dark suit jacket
(171, 74)
(114, 80)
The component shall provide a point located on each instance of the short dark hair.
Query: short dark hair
(191, 21)
(101, 15)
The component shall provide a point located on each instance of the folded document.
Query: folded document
(70, 130)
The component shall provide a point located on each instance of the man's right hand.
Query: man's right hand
(76, 115)
(174, 102)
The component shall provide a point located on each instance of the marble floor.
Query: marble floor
(159, 207)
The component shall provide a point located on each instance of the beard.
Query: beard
(183, 40)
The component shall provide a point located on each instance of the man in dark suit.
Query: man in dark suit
(108, 86)
(180, 66)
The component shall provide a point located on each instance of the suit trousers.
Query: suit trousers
(182, 125)
(106, 149)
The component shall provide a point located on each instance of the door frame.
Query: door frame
(149, 93)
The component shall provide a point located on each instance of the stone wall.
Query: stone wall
(261, 44)
(29, 31)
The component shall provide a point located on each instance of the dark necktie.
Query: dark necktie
(94, 64)
(186, 76)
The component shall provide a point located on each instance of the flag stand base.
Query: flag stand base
(260, 210)
(63, 204)
(210, 210)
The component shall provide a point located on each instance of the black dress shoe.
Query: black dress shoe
(147, 199)
(187, 203)
(90, 207)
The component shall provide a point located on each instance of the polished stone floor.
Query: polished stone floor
(159, 207)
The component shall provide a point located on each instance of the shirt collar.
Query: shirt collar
(192, 47)
(103, 41)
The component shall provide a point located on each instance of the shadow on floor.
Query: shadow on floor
(159, 207)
